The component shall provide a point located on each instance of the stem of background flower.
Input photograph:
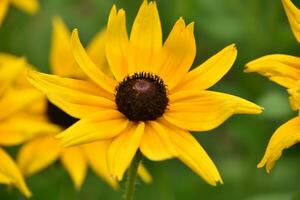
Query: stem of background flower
(132, 176)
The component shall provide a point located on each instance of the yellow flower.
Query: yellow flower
(152, 100)
(285, 71)
(29, 6)
(11, 103)
(44, 149)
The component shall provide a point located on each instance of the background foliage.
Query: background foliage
(257, 27)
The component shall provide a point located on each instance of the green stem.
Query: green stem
(132, 176)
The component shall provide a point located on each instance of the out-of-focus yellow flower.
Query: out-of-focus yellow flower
(29, 6)
(152, 99)
(285, 71)
(13, 101)
(44, 149)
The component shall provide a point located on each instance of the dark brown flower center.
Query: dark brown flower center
(142, 97)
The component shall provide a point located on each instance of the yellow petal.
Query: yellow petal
(144, 174)
(21, 128)
(96, 51)
(145, 38)
(9, 71)
(74, 161)
(76, 97)
(99, 126)
(210, 72)
(9, 173)
(96, 157)
(205, 110)
(293, 15)
(38, 154)
(284, 137)
(191, 153)
(295, 97)
(178, 54)
(88, 66)
(15, 100)
(4, 4)
(61, 58)
(29, 6)
(117, 43)
(123, 148)
(156, 144)
(282, 69)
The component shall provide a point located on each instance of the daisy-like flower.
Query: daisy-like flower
(29, 6)
(152, 101)
(285, 71)
(44, 149)
(12, 102)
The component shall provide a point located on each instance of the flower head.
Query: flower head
(152, 100)
(285, 71)
(44, 149)
(29, 6)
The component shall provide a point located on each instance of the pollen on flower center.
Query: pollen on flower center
(142, 97)
(58, 116)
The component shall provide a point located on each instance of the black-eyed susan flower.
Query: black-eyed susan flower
(29, 6)
(44, 149)
(152, 100)
(11, 104)
(285, 71)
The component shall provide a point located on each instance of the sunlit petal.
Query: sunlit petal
(205, 110)
(284, 137)
(123, 148)
(145, 38)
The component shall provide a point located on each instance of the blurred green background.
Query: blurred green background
(257, 27)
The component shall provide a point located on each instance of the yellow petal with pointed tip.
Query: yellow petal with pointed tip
(117, 43)
(156, 143)
(205, 110)
(38, 154)
(282, 69)
(177, 54)
(293, 14)
(88, 66)
(29, 6)
(284, 137)
(191, 153)
(145, 38)
(95, 154)
(123, 148)
(10, 174)
(99, 126)
(76, 97)
(74, 161)
(210, 72)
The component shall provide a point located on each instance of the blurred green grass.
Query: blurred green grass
(257, 27)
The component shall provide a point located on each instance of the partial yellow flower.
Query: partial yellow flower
(285, 71)
(152, 100)
(11, 103)
(29, 6)
(44, 149)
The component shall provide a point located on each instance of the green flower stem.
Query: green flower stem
(132, 176)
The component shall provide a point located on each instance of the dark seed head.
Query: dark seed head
(142, 97)
(59, 117)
